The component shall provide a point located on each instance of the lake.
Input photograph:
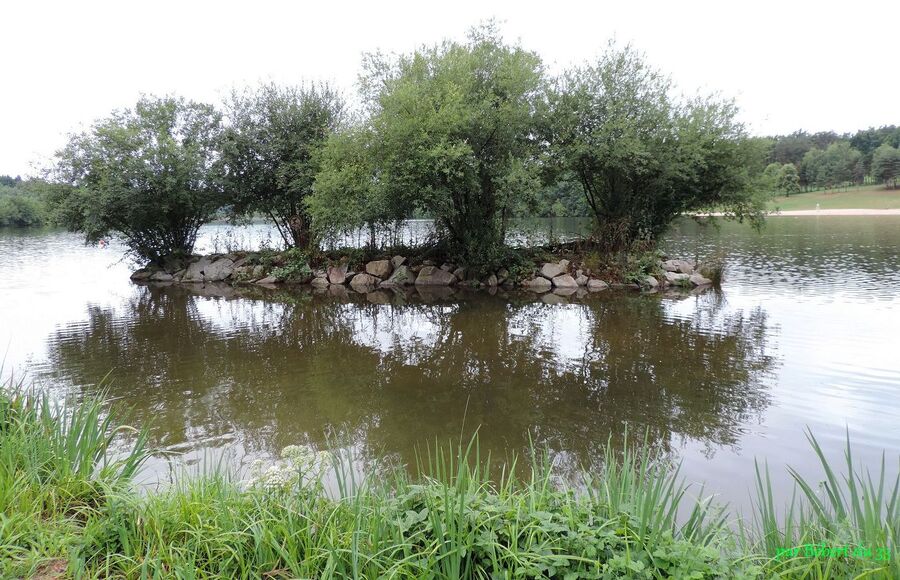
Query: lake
(805, 332)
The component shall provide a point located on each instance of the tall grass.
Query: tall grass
(66, 497)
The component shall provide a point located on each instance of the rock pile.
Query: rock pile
(559, 278)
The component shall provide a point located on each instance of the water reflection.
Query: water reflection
(389, 371)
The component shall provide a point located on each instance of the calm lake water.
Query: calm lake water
(805, 332)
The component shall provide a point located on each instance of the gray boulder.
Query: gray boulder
(319, 282)
(431, 276)
(678, 266)
(398, 261)
(502, 275)
(491, 281)
(460, 273)
(267, 281)
(401, 277)
(696, 279)
(650, 282)
(337, 274)
(363, 282)
(565, 281)
(581, 280)
(142, 274)
(538, 284)
(207, 270)
(161, 276)
(595, 285)
(550, 270)
(677, 279)
(380, 268)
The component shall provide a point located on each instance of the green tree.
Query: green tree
(886, 165)
(840, 165)
(642, 157)
(145, 174)
(20, 209)
(346, 194)
(269, 150)
(788, 179)
(455, 132)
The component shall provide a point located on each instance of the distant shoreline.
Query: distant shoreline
(802, 212)
(816, 212)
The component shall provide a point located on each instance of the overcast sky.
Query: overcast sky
(790, 64)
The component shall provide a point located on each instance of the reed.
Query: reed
(68, 504)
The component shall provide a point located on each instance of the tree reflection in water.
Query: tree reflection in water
(389, 372)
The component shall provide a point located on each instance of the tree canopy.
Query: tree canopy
(455, 131)
(146, 174)
(643, 157)
(269, 152)
(886, 165)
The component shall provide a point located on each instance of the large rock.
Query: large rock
(538, 284)
(502, 275)
(565, 281)
(208, 270)
(362, 282)
(398, 261)
(161, 276)
(460, 273)
(550, 270)
(650, 282)
(581, 279)
(677, 279)
(678, 266)
(401, 277)
(268, 281)
(142, 274)
(431, 276)
(491, 281)
(595, 285)
(319, 282)
(337, 274)
(379, 268)
(696, 279)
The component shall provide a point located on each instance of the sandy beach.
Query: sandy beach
(817, 212)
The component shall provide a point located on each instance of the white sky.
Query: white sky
(791, 64)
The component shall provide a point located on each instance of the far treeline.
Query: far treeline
(471, 134)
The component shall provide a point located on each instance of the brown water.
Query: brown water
(803, 333)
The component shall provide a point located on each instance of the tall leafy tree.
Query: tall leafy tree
(269, 152)
(145, 174)
(788, 181)
(644, 157)
(837, 165)
(347, 195)
(886, 165)
(455, 132)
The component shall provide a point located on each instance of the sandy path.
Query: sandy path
(838, 212)
(817, 212)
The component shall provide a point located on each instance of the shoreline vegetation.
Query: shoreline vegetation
(70, 508)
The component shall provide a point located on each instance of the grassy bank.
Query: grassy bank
(864, 197)
(70, 511)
